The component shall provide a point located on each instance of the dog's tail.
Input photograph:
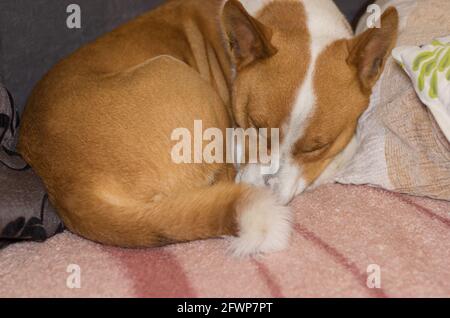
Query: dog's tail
(251, 214)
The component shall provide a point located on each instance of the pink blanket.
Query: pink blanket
(341, 233)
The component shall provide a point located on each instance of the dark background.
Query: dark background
(34, 36)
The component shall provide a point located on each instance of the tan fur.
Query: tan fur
(340, 102)
(343, 93)
(97, 128)
(267, 103)
(343, 79)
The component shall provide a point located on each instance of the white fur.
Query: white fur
(288, 182)
(264, 225)
(251, 174)
(326, 24)
(254, 6)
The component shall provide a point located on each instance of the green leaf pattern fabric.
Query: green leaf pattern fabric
(428, 66)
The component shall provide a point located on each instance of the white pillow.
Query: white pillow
(428, 67)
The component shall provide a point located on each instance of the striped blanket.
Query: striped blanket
(343, 245)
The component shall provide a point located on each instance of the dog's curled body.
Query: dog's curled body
(97, 129)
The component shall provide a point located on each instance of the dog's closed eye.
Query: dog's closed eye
(315, 148)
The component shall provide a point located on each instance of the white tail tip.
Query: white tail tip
(264, 224)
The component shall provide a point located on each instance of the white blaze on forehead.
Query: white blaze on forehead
(254, 6)
(325, 24)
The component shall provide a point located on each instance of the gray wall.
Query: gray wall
(34, 36)
(353, 9)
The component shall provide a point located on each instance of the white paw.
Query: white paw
(264, 224)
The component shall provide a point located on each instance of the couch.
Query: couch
(348, 241)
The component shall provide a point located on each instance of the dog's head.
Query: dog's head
(299, 69)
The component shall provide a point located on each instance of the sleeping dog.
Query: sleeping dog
(97, 129)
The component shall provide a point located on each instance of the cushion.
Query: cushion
(25, 212)
(429, 68)
(400, 145)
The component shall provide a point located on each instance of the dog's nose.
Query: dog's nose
(271, 181)
(266, 179)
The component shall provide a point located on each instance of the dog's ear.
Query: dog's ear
(370, 50)
(249, 39)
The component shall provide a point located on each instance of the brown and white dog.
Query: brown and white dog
(97, 128)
